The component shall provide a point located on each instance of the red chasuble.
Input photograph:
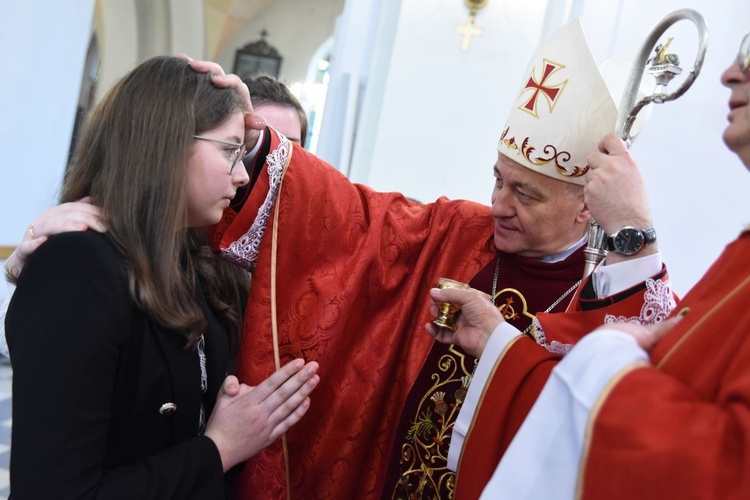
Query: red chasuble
(682, 429)
(341, 276)
(524, 366)
(418, 463)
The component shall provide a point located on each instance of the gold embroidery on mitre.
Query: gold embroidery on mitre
(553, 155)
(550, 91)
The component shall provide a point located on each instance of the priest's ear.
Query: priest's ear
(584, 215)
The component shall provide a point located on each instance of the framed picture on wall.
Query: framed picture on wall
(247, 65)
(257, 57)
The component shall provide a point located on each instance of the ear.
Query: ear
(583, 215)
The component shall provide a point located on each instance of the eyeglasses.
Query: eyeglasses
(235, 151)
(743, 57)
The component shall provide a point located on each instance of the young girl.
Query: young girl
(121, 342)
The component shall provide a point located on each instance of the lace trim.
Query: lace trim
(559, 348)
(538, 332)
(554, 347)
(204, 382)
(658, 304)
(244, 252)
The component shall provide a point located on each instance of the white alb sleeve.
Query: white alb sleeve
(543, 459)
(611, 279)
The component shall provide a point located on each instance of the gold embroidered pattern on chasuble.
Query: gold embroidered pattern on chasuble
(423, 452)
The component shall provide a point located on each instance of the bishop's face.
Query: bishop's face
(535, 215)
(737, 134)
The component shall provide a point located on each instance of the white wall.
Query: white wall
(186, 15)
(43, 44)
(442, 108)
(434, 127)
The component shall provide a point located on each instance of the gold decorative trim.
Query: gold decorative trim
(702, 320)
(274, 317)
(559, 159)
(6, 251)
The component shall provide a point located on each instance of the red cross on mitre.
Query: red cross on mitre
(551, 91)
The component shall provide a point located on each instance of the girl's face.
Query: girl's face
(211, 180)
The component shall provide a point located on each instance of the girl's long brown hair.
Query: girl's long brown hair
(132, 160)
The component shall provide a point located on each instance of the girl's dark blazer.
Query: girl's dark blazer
(106, 402)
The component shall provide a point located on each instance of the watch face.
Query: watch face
(627, 241)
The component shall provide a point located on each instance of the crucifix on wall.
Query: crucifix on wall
(469, 29)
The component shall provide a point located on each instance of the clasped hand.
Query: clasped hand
(247, 419)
